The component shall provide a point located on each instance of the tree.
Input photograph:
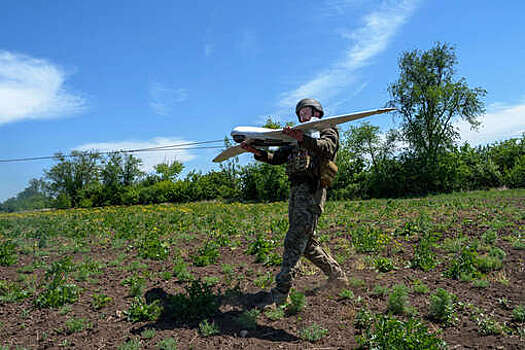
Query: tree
(72, 174)
(429, 98)
(169, 170)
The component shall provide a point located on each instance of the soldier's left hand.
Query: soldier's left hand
(296, 134)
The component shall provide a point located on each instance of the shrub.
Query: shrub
(419, 287)
(57, 292)
(398, 300)
(275, 314)
(367, 239)
(198, 302)
(442, 308)
(390, 333)
(167, 344)
(180, 270)
(363, 319)
(248, 319)
(297, 303)
(139, 310)
(8, 254)
(207, 254)
(151, 247)
(462, 264)
(487, 263)
(206, 329)
(423, 254)
(100, 300)
(383, 264)
(346, 294)
(74, 325)
(11, 292)
(518, 314)
(313, 333)
(136, 285)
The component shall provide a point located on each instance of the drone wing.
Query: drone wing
(228, 153)
(330, 122)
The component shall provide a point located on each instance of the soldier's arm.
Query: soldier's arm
(325, 146)
(275, 158)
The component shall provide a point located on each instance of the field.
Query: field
(437, 272)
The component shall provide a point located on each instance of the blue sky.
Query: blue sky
(114, 75)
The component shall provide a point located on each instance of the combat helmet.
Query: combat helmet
(309, 102)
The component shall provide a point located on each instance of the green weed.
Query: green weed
(419, 287)
(383, 264)
(148, 333)
(518, 314)
(167, 344)
(276, 313)
(139, 310)
(8, 255)
(74, 325)
(346, 294)
(248, 319)
(297, 303)
(99, 301)
(389, 333)
(132, 344)
(398, 300)
(206, 329)
(198, 302)
(313, 333)
(442, 308)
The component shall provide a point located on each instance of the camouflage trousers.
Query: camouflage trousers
(304, 209)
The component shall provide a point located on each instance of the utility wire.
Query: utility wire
(175, 147)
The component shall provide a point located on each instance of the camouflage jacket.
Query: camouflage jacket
(324, 147)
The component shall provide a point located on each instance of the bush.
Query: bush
(198, 302)
(442, 308)
(248, 319)
(207, 329)
(392, 334)
(313, 333)
(139, 310)
(297, 303)
(8, 254)
(398, 300)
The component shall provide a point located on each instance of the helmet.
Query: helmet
(309, 102)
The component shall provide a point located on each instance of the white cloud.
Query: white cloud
(164, 99)
(500, 123)
(33, 88)
(367, 41)
(149, 159)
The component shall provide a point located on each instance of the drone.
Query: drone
(264, 137)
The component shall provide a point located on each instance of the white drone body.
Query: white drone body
(263, 137)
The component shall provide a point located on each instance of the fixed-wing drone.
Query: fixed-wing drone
(263, 137)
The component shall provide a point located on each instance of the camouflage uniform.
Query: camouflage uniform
(307, 199)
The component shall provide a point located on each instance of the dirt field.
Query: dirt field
(120, 255)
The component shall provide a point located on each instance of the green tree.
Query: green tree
(169, 171)
(72, 174)
(429, 98)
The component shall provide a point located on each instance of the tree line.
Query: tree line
(421, 156)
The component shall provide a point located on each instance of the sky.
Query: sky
(113, 75)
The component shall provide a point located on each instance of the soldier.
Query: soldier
(309, 165)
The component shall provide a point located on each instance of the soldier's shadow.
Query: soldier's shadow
(227, 321)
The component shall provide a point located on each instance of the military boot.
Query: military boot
(337, 280)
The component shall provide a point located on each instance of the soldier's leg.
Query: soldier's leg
(320, 258)
(295, 242)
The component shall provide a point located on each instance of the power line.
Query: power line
(175, 147)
